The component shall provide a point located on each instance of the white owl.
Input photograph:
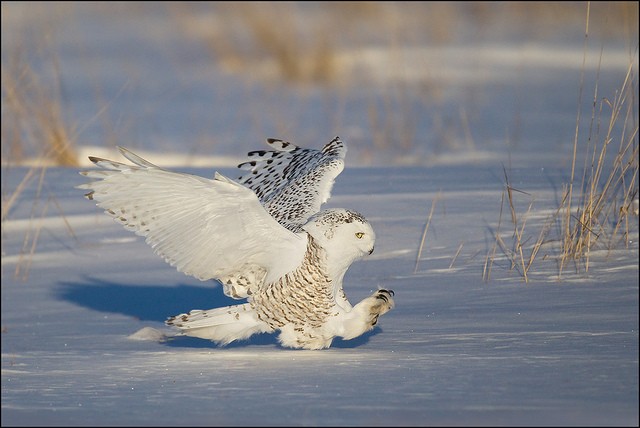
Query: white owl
(263, 237)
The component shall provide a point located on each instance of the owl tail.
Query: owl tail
(222, 325)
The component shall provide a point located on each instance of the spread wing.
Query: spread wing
(291, 182)
(209, 229)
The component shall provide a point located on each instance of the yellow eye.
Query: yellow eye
(359, 235)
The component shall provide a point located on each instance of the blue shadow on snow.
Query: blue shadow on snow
(157, 303)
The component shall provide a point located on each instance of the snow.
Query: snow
(84, 301)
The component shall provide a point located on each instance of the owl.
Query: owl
(263, 236)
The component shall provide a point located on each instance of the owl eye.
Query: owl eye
(359, 235)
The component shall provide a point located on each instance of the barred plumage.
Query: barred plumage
(264, 238)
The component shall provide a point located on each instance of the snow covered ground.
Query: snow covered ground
(454, 351)
(81, 297)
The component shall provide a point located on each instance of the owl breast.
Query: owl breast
(302, 299)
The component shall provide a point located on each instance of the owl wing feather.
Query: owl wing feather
(291, 182)
(209, 229)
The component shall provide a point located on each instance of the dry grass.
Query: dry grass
(455, 257)
(38, 211)
(303, 41)
(595, 212)
(515, 252)
(286, 43)
(36, 133)
(33, 118)
(424, 232)
(266, 40)
(609, 184)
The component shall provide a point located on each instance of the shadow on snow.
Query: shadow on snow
(157, 302)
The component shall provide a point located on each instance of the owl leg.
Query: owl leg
(364, 316)
(222, 325)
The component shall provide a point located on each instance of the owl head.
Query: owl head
(345, 235)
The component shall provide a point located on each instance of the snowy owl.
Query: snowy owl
(262, 236)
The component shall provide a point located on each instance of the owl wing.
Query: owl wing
(291, 182)
(209, 229)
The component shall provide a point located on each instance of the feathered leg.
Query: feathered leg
(364, 316)
(222, 325)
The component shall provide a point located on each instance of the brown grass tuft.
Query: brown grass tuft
(33, 121)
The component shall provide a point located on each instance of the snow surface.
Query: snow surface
(454, 351)
(83, 311)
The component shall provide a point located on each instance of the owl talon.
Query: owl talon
(386, 295)
(262, 236)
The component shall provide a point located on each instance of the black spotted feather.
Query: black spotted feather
(265, 239)
(291, 182)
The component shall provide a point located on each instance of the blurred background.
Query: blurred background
(402, 83)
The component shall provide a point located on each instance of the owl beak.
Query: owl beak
(371, 251)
